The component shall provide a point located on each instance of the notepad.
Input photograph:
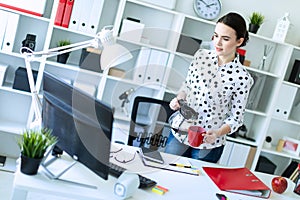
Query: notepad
(151, 155)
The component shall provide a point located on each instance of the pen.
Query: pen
(181, 165)
(221, 196)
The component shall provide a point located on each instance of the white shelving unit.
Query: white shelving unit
(161, 32)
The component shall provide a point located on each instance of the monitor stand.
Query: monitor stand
(50, 159)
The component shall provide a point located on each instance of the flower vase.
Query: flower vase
(62, 58)
(253, 28)
(29, 165)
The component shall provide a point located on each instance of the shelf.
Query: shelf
(120, 115)
(287, 120)
(141, 44)
(9, 88)
(26, 14)
(10, 165)
(259, 113)
(155, 7)
(268, 39)
(242, 141)
(163, 28)
(73, 73)
(273, 151)
(12, 127)
(262, 72)
(74, 31)
(291, 84)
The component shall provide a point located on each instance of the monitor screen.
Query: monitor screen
(82, 123)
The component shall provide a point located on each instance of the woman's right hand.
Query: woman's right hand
(174, 104)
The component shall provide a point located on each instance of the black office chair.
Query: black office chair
(149, 123)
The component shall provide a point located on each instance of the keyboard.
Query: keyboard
(116, 171)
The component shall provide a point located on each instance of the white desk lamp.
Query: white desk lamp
(112, 55)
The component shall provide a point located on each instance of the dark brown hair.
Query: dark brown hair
(236, 22)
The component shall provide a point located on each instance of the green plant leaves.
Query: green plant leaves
(63, 43)
(34, 143)
(256, 18)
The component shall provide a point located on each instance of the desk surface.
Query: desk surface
(181, 186)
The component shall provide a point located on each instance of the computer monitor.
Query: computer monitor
(82, 124)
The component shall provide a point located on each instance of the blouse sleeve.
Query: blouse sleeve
(238, 102)
(185, 87)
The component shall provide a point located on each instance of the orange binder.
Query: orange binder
(238, 180)
(67, 13)
(60, 12)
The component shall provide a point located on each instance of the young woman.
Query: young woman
(217, 87)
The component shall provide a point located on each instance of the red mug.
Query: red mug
(196, 135)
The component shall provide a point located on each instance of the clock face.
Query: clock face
(207, 9)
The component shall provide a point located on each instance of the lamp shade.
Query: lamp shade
(113, 55)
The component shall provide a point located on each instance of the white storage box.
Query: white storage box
(285, 101)
(131, 30)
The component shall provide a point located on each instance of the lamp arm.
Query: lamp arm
(36, 103)
(103, 38)
(31, 56)
(40, 55)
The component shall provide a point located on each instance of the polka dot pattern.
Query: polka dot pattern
(218, 93)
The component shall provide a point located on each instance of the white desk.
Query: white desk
(181, 186)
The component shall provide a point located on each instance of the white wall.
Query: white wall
(272, 9)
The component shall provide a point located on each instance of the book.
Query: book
(2, 160)
(77, 10)
(3, 22)
(95, 15)
(141, 65)
(157, 63)
(238, 180)
(85, 16)
(67, 13)
(151, 155)
(290, 169)
(10, 32)
(60, 12)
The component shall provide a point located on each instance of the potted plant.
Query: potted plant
(62, 58)
(33, 145)
(256, 19)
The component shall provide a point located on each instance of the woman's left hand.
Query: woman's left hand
(210, 136)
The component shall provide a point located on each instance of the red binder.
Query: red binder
(238, 180)
(67, 13)
(60, 12)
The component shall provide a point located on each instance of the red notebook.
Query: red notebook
(238, 180)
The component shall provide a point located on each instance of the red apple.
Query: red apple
(279, 184)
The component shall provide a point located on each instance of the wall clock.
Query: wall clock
(207, 9)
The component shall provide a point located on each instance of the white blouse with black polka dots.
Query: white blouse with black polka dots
(218, 93)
